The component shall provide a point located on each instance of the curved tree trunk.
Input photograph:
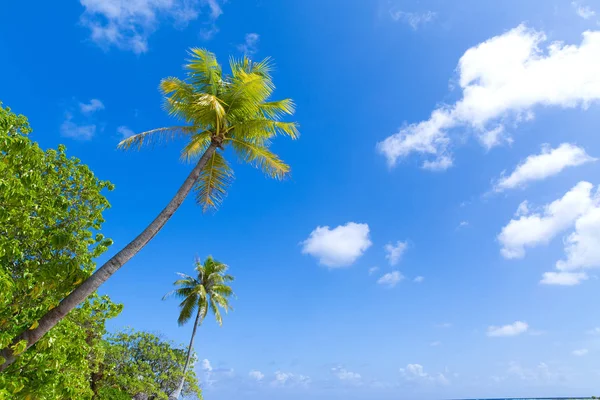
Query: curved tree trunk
(175, 395)
(91, 284)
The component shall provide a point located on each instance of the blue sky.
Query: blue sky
(439, 233)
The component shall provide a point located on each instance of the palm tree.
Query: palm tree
(209, 289)
(218, 111)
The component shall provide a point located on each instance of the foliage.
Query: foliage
(50, 211)
(140, 362)
(227, 111)
(63, 364)
(208, 289)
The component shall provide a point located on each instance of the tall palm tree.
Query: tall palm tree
(209, 289)
(218, 111)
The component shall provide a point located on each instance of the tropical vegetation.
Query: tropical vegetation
(217, 112)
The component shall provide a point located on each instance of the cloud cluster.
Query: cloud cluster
(127, 24)
(579, 208)
(503, 80)
(416, 373)
(347, 376)
(288, 379)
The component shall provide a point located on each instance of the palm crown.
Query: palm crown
(209, 289)
(223, 111)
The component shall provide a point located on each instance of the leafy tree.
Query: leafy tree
(218, 111)
(208, 289)
(65, 363)
(142, 364)
(50, 211)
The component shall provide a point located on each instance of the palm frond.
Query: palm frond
(249, 85)
(204, 70)
(215, 178)
(277, 109)
(264, 128)
(196, 146)
(215, 309)
(155, 136)
(179, 98)
(257, 154)
(187, 308)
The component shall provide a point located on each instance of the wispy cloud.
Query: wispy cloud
(391, 279)
(580, 352)
(69, 128)
(125, 132)
(394, 252)
(414, 19)
(91, 107)
(416, 373)
(583, 11)
(78, 123)
(513, 329)
(250, 45)
(127, 24)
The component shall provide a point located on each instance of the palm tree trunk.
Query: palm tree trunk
(175, 395)
(91, 284)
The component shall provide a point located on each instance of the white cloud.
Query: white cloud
(394, 252)
(344, 375)
(212, 375)
(503, 80)
(523, 209)
(91, 107)
(128, 24)
(584, 12)
(435, 344)
(578, 209)
(419, 279)
(125, 132)
(338, 247)
(580, 352)
(541, 373)
(250, 45)
(413, 19)
(462, 224)
(206, 366)
(541, 166)
(582, 247)
(288, 379)
(513, 329)
(390, 279)
(72, 130)
(372, 270)
(444, 325)
(441, 163)
(563, 278)
(256, 375)
(532, 229)
(416, 373)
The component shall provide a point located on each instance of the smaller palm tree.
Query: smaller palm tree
(209, 289)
